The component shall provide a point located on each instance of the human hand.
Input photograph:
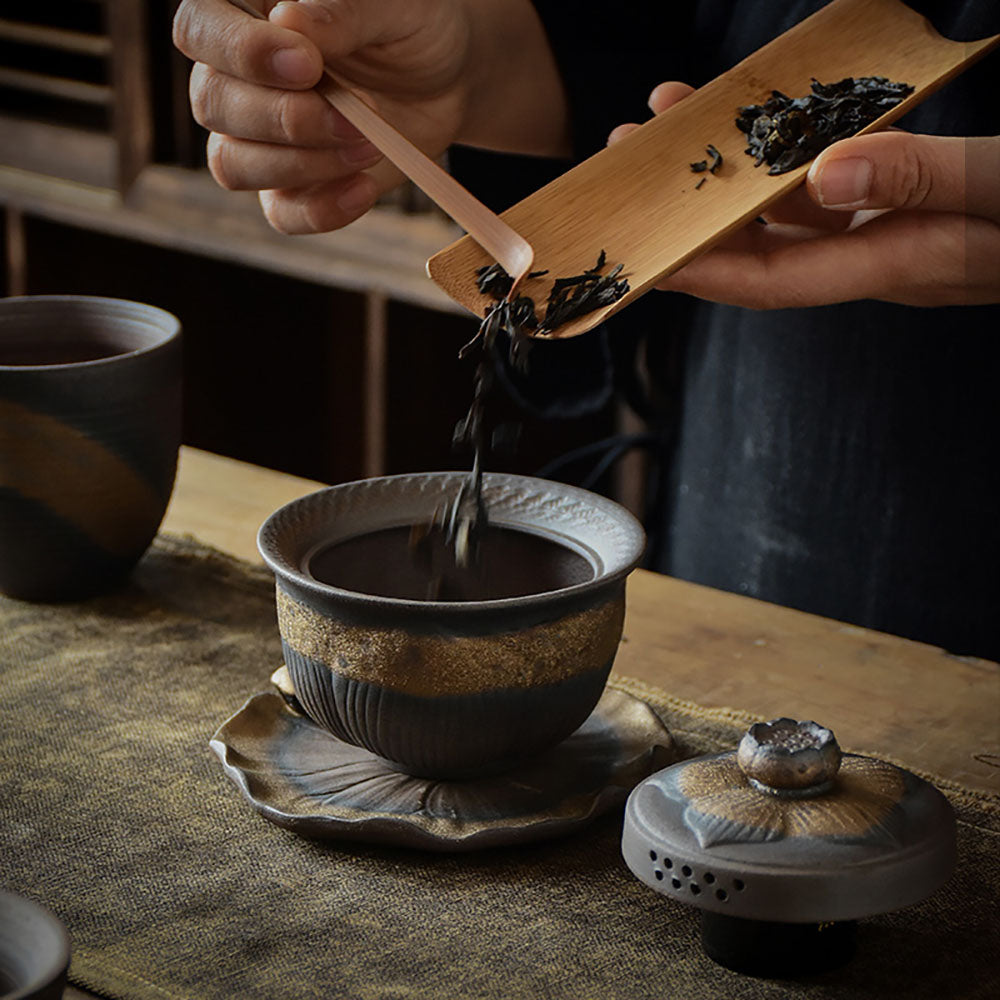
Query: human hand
(440, 70)
(911, 219)
(252, 82)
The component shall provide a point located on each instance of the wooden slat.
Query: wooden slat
(133, 109)
(73, 154)
(57, 86)
(14, 251)
(376, 333)
(188, 138)
(55, 38)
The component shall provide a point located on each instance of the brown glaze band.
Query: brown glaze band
(430, 665)
(78, 479)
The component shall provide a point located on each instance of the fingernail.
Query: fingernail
(293, 66)
(359, 154)
(357, 198)
(844, 183)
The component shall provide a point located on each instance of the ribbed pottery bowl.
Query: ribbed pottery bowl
(90, 426)
(485, 671)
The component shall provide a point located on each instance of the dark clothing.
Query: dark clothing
(840, 460)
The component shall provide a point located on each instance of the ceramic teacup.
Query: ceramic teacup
(507, 662)
(90, 410)
(34, 950)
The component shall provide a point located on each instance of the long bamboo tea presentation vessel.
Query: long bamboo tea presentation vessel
(495, 237)
(637, 200)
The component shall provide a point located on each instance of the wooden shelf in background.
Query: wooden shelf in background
(26, 33)
(383, 253)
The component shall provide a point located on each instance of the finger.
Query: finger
(912, 258)
(619, 133)
(321, 208)
(798, 208)
(226, 104)
(231, 41)
(757, 239)
(900, 170)
(244, 165)
(665, 95)
(773, 269)
(339, 29)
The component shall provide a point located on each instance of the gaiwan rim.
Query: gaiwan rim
(631, 533)
(163, 323)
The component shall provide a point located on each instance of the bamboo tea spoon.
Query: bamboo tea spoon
(639, 200)
(494, 236)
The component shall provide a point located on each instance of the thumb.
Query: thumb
(895, 169)
(337, 29)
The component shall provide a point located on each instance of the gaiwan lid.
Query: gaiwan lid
(787, 828)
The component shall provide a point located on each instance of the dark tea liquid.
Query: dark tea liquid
(510, 564)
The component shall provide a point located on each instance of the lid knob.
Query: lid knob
(789, 758)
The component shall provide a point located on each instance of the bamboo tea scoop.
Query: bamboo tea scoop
(495, 237)
(637, 200)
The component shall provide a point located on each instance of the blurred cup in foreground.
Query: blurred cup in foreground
(90, 425)
(34, 950)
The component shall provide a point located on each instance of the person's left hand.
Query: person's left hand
(912, 219)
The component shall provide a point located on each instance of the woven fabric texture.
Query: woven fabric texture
(115, 813)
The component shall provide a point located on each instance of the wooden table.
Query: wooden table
(932, 711)
(898, 699)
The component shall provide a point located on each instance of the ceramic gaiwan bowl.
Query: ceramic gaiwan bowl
(504, 662)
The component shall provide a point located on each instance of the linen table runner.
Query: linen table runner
(115, 814)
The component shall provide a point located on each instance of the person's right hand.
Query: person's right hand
(475, 71)
(251, 87)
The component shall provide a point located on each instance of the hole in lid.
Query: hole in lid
(721, 894)
(709, 877)
(652, 855)
(675, 882)
(686, 871)
(667, 863)
(738, 884)
(695, 888)
(659, 875)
